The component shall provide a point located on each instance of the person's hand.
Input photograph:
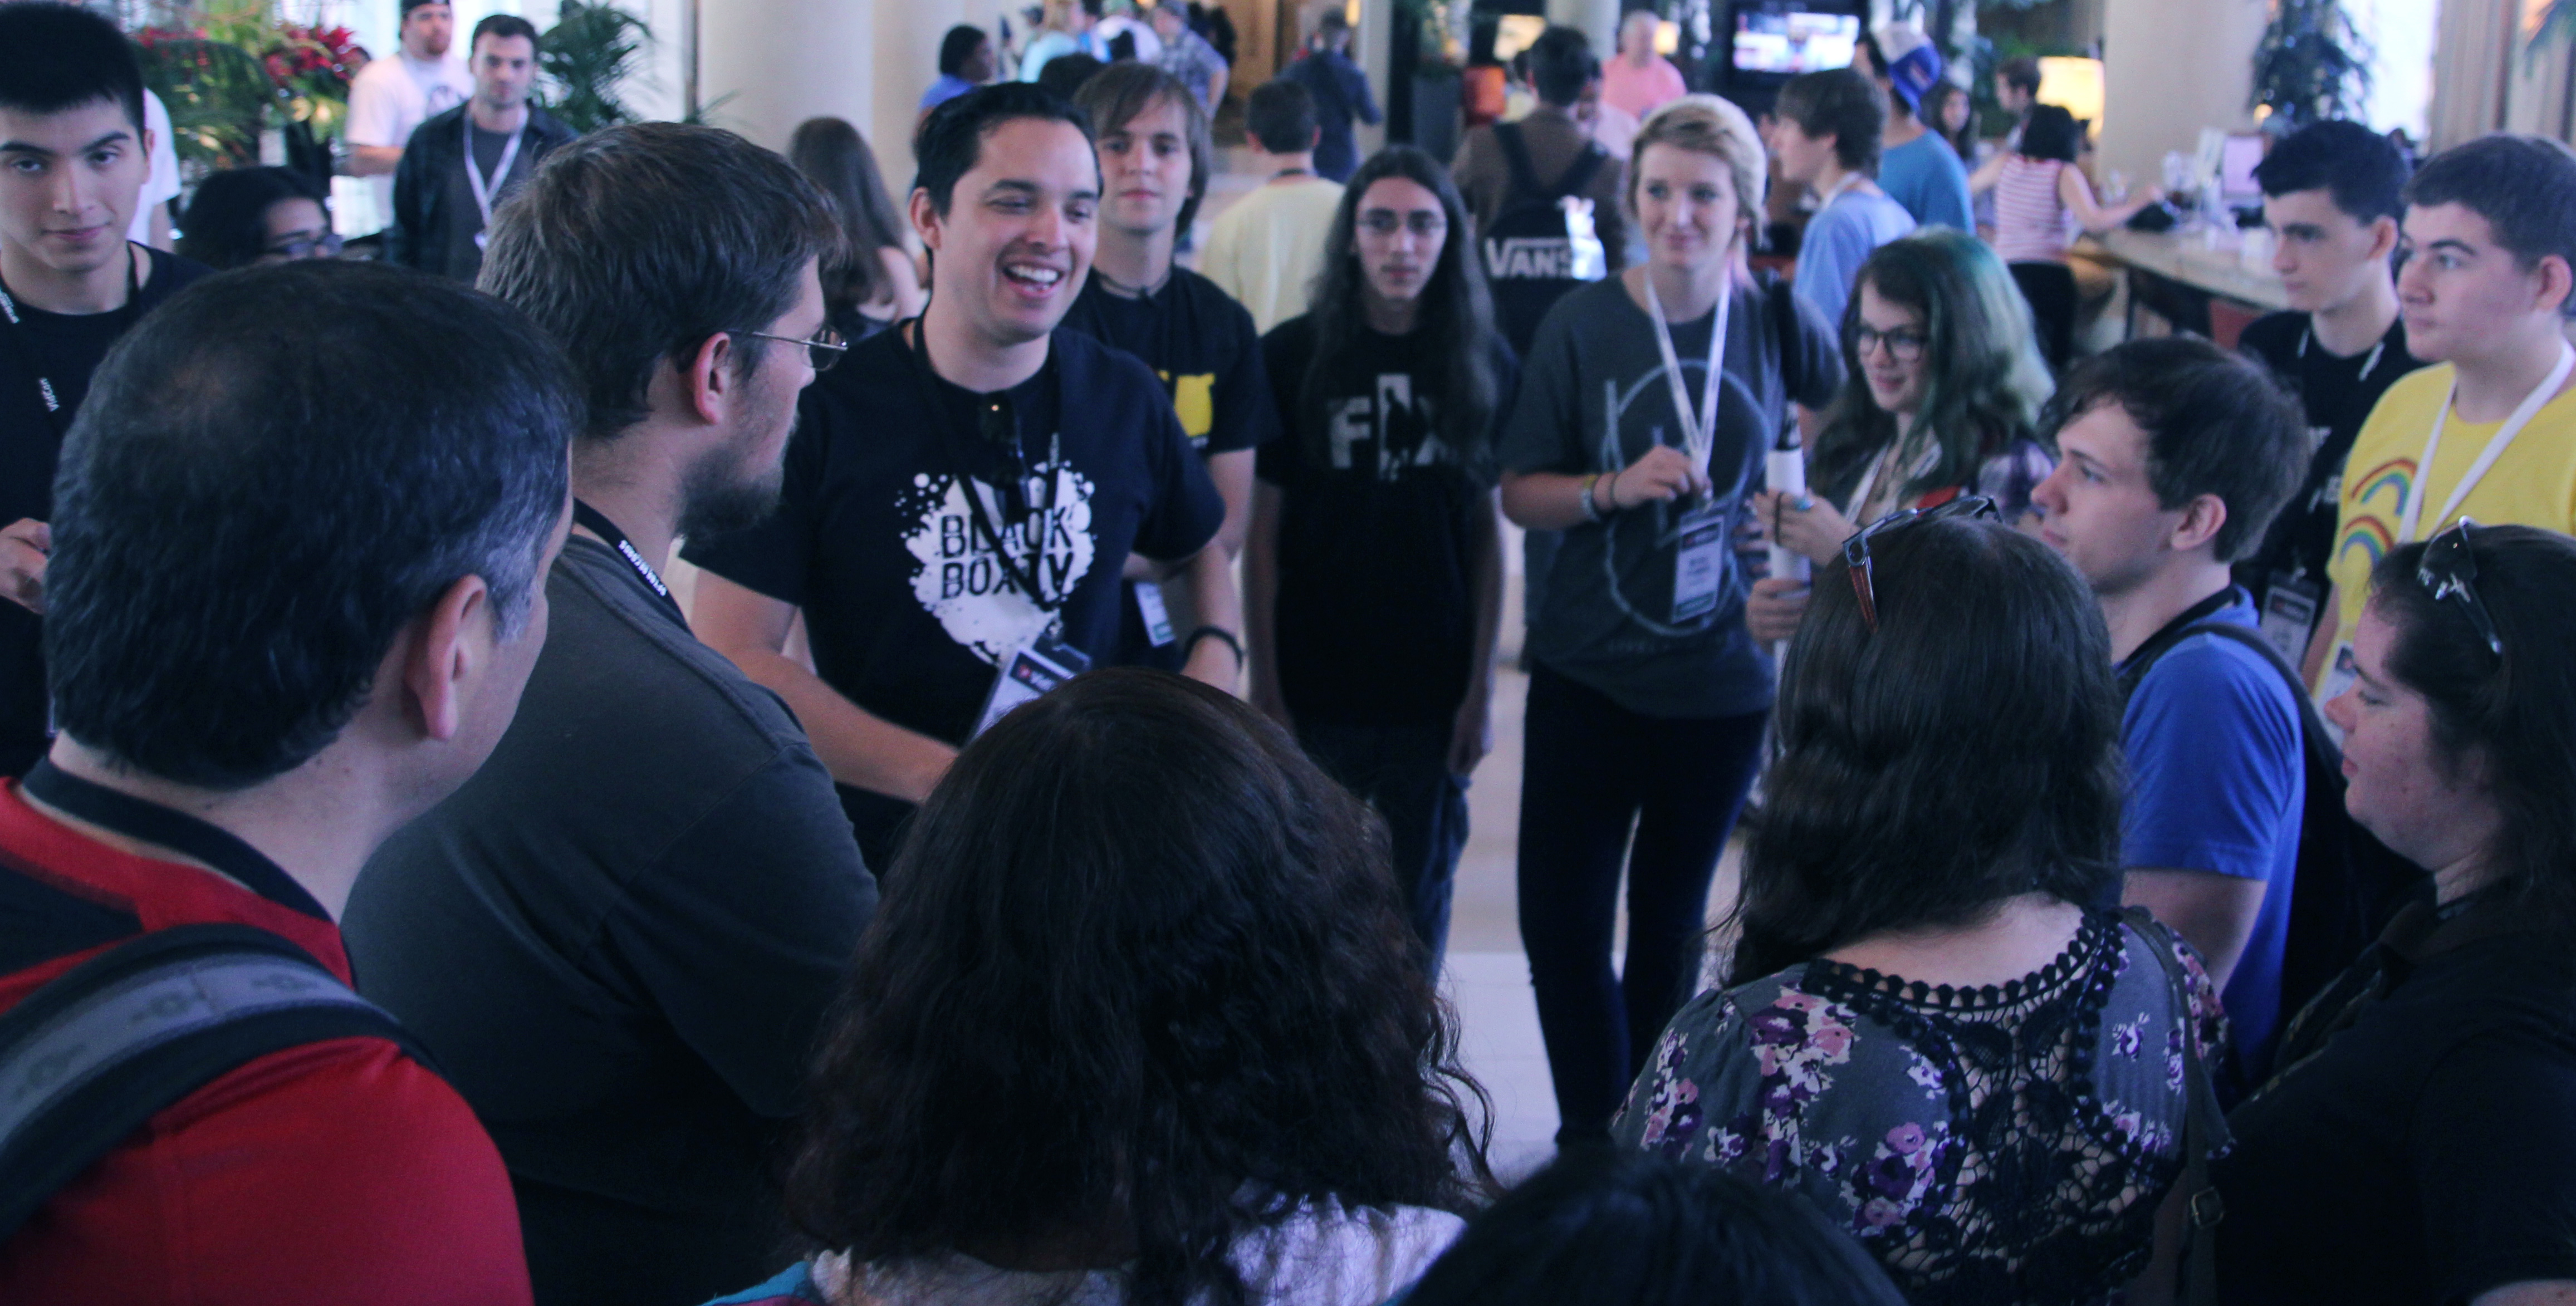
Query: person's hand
(1802, 523)
(1664, 474)
(24, 546)
(1471, 736)
(1772, 609)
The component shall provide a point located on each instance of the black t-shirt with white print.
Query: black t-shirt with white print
(1375, 618)
(907, 606)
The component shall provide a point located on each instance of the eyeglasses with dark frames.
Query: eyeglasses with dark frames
(1856, 559)
(822, 349)
(2450, 570)
(307, 245)
(1904, 344)
(1387, 222)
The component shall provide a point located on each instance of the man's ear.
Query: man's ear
(707, 380)
(2557, 281)
(442, 650)
(925, 217)
(2383, 238)
(2201, 521)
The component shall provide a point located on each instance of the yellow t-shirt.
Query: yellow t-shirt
(2533, 484)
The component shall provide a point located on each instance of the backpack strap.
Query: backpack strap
(2204, 1130)
(2312, 727)
(1516, 157)
(1578, 174)
(94, 1054)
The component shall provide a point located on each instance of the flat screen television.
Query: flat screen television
(1786, 40)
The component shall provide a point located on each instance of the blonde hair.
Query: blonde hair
(1709, 124)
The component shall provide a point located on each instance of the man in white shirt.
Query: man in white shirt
(152, 213)
(1268, 245)
(391, 97)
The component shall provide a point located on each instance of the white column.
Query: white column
(783, 61)
(1599, 20)
(2171, 68)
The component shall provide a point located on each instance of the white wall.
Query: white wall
(2171, 68)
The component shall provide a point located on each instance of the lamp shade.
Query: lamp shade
(2074, 85)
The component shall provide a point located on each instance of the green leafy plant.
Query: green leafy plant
(2311, 64)
(589, 54)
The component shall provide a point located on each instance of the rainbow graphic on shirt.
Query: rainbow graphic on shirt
(2381, 490)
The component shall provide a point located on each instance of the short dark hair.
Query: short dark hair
(2216, 422)
(635, 243)
(55, 57)
(2051, 133)
(1962, 751)
(2524, 186)
(253, 504)
(958, 46)
(504, 25)
(409, 5)
(2359, 167)
(1281, 116)
(1141, 967)
(226, 223)
(2517, 717)
(1126, 88)
(1064, 74)
(1618, 1228)
(1561, 64)
(1843, 102)
(951, 139)
(2020, 74)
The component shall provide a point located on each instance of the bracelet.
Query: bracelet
(1191, 645)
(1591, 509)
(1615, 505)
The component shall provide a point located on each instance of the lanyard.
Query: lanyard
(597, 523)
(136, 818)
(483, 190)
(2413, 513)
(1699, 427)
(26, 340)
(1026, 579)
(2368, 365)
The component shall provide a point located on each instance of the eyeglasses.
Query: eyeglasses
(1903, 344)
(1856, 560)
(324, 245)
(822, 349)
(1421, 222)
(2450, 570)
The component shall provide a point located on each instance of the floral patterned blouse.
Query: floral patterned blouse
(2007, 1144)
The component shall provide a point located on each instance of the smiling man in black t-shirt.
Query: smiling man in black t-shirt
(1154, 162)
(74, 155)
(962, 489)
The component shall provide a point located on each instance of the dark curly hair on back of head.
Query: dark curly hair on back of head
(1139, 986)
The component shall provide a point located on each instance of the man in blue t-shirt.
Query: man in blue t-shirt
(1916, 167)
(2174, 456)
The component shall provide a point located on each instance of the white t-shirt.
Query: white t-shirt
(1322, 1256)
(1266, 248)
(392, 97)
(163, 184)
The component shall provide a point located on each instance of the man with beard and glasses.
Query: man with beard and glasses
(965, 488)
(618, 939)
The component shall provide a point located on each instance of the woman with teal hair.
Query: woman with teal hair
(1942, 387)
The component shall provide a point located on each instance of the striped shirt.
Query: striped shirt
(2032, 225)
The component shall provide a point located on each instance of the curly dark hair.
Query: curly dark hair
(1139, 986)
(1964, 752)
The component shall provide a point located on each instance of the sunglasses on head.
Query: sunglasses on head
(2450, 570)
(1856, 559)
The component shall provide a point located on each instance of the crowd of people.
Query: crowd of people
(1022, 871)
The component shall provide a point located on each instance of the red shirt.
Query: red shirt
(339, 1172)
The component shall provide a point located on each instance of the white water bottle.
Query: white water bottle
(1785, 468)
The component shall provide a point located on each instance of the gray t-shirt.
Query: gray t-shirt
(1594, 399)
(464, 257)
(619, 939)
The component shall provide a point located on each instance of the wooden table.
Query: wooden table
(2199, 289)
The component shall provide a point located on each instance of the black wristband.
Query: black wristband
(1191, 645)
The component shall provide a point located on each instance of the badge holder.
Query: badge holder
(1031, 672)
(1699, 564)
(2290, 606)
(1158, 618)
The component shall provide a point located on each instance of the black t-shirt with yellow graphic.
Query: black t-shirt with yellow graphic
(1204, 347)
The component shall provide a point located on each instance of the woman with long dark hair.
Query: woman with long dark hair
(1374, 573)
(1925, 1034)
(2417, 1142)
(872, 283)
(242, 216)
(1943, 388)
(1136, 1021)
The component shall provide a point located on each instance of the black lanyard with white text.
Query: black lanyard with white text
(46, 394)
(597, 523)
(137, 818)
(958, 459)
